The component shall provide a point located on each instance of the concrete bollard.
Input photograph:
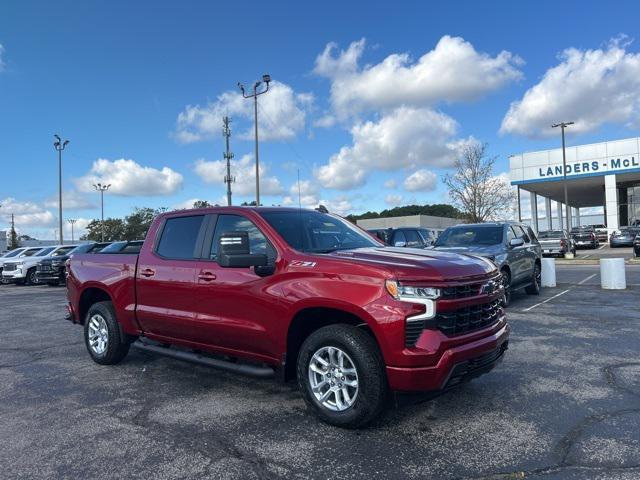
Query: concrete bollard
(612, 274)
(548, 272)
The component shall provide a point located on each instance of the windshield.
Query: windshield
(581, 229)
(13, 253)
(317, 232)
(32, 252)
(114, 247)
(551, 234)
(44, 251)
(466, 236)
(63, 251)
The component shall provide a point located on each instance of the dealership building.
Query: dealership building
(605, 175)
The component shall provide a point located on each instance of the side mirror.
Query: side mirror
(400, 243)
(233, 251)
(516, 242)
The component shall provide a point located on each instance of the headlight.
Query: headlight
(401, 292)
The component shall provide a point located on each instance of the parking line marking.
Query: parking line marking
(603, 245)
(547, 300)
(587, 279)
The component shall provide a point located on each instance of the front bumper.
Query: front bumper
(13, 276)
(455, 365)
(51, 275)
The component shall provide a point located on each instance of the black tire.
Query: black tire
(117, 343)
(31, 278)
(536, 282)
(506, 283)
(362, 350)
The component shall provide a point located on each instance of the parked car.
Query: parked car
(636, 246)
(405, 236)
(584, 236)
(602, 233)
(556, 242)
(299, 294)
(125, 246)
(512, 246)
(15, 256)
(51, 269)
(624, 237)
(23, 270)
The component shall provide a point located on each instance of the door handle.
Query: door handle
(206, 276)
(148, 272)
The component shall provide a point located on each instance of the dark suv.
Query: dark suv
(405, 236)
(512, 246)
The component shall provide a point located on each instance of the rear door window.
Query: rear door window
(180, 237)
(413, 239)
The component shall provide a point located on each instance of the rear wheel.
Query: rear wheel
(31, 278)
(534, 288)
(105, 341)
(341, 376)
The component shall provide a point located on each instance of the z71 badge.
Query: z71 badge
(300, 263)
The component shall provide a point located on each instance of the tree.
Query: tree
(113, 230)
(437, 210)
(201, 204)
(137, 224)
(13, 238)
(252, 203)
(474, 189)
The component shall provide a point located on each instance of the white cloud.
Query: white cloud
(340, 205)
(308, 195)
(245, 172)
(71, 200)
(281, 111)
(2, 63)
(128, 178)
(391, 183)
(393, 200)
(452, 71)
(421, 181)
(589, 87)
(405, 138)
(26, 214)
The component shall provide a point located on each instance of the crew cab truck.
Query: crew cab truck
(297, 294)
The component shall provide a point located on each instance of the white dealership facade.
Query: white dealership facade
(603, 174)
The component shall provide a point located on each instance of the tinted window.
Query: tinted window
(464, 236)
(520, 233)
(399, 238)
(114, 247)
(43, 252)
(179, 237)
(13, 253)
(551, 234)
(62, 251)
(238, 223)
(413, 239)
(309, 231)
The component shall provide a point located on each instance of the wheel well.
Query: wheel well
(506, 268)
(308, 321)
(88, 298)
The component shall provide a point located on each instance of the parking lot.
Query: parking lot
(564, 404)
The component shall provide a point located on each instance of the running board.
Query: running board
(242, 368)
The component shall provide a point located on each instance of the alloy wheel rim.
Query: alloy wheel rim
(98, 334)
(333, 379)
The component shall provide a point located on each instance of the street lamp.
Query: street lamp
(562, 126)
(72, 221)
(101, 188)
(266, 79)
(60, 145)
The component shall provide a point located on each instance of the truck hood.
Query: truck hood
(483, 251)
(417, 264)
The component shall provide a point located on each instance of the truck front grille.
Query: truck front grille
(455, 322)
(468, 319)
(10, 267)
(461, 291)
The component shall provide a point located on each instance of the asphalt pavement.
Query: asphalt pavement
(564, 404)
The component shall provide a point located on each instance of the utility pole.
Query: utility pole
(265, 79)
(101, 188)
(567, 215)
(60, 145)
(72, 221)
(228, 179)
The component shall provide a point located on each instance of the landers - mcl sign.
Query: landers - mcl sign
(594, 166)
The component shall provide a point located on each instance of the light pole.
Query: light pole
(562, 126)
(72, 221)
(266, 79)
(101, 188)
(60, 145)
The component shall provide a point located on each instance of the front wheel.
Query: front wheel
(31, 278)
(534, 288)
(342, 376)
(105, 341)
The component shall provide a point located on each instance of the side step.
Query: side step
(242, 368)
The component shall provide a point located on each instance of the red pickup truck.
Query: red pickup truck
(296, 294)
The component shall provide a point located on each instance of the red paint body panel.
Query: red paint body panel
(236, 312)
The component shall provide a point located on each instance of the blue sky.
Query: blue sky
(372, 122)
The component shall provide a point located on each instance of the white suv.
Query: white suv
(18, 253)
(22, 268)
